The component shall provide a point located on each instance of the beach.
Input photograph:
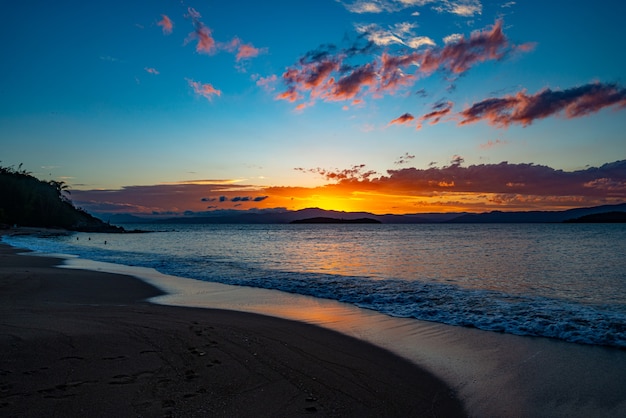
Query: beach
(87, 343)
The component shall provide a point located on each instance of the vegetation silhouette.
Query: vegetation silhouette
(28, 201)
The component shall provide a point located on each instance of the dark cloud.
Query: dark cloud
(356, 172)
(523, 109)
(528, 179)
(404, 159)
(440, 109)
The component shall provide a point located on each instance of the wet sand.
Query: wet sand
(494, 375)
(86, 343)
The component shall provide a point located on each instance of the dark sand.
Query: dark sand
(83, 343)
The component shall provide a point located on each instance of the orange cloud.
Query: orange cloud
(166, 24)
(205, 90)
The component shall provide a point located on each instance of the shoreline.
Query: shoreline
(492, 374)
(80, 342)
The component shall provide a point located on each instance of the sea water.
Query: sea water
(565, 281)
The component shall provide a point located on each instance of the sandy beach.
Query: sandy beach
(86, 343)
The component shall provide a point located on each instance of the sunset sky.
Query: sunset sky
(389, 106)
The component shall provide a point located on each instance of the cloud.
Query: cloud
(403, 119)
(326, 73)
(491, 144)
(524, 109)
(356, 172)
(503, 186)
(268, 83)
(404, 159)
(440, 110)
(347, 87)
(151, 70)
(453, 187)
(202, 33)
(244, 51)
(452, 38)
(166, 24)
(606, 181)
(465, 8)
(529, 179)
(459, 56)
(205, 90)
(400, 33)
(171, 199)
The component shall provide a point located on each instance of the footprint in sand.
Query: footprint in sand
(196, 351)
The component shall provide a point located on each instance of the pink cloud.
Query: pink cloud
(524, 109)
(326, 74)
(244, 51)
(204, 90)
(206, 43)
(268, 83)
(403, 119)
(491, 144)
(458, 57)
(247, 51)
(151, 70)
(166, 24)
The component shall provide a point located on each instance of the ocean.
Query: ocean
(563, 281)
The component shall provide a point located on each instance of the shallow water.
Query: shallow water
(563, 281)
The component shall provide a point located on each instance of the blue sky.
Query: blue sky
(109, 96)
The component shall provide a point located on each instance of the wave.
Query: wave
(437, 302)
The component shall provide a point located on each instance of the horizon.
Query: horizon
(428, 217)
(378, 106)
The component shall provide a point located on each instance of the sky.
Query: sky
(166, 107)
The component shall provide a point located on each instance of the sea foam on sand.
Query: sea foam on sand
(494, 374)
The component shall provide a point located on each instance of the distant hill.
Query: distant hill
(28, 201)
(324, 220)
(279, 217)
(535, 216)
(607, 217)
(275, 216)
